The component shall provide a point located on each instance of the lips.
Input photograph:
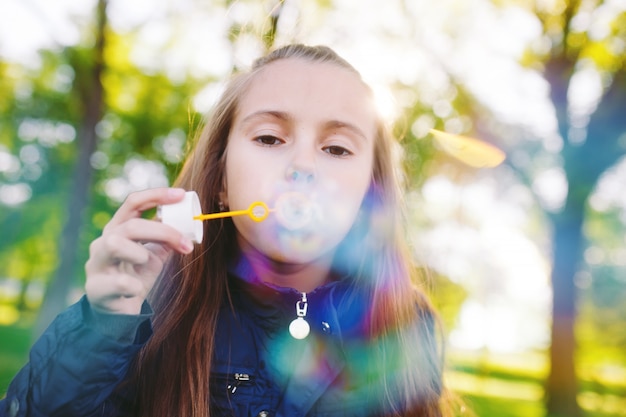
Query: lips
(296, 211)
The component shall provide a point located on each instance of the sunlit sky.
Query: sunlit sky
(504, 268)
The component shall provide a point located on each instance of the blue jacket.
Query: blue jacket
(258, 368)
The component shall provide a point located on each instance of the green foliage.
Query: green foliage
(602, 290)
(447, 297)
(13, 353)
(147, 116)
(38, 131)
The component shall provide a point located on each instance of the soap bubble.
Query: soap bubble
(294, 210)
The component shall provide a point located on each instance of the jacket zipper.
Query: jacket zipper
(299, 328)
(239, 380)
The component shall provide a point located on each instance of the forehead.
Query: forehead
(310, 89)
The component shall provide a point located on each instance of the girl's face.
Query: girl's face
(302, 141)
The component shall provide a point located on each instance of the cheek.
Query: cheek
(238, 181)
(346, 192)
(344, 208)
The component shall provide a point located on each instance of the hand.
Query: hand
(125, 261)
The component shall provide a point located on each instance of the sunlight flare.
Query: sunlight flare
(473, 152)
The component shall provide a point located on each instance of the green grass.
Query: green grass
(512, 386)
(489, 406)
(486, 406)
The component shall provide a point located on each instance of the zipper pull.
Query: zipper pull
(240, 378)
(299, 327)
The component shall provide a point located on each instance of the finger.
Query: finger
(140, 201)
(113, 252)
(143, 230)
(128, 284)
(162, 252)
(124, 243)
(113, 249)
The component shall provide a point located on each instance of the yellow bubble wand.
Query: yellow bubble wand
(257, 211)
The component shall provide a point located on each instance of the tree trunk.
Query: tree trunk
(567, 242)
(561, 385)
(584, 165)
(91, 94)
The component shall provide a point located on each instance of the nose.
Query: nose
(300, 175)
(301, 168)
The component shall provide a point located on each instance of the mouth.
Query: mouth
(295, 211)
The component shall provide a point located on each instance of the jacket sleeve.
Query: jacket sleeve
(75, 365)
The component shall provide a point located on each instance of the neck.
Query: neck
(303, 277)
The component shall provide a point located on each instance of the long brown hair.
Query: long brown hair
(172, 371)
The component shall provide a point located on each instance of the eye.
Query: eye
(337, 151)
(268, 140)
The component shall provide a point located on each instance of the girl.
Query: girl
(260, 319)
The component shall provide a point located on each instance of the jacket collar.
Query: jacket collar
(338, 316)
(335, 308)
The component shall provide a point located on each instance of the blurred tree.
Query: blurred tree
(37, 126)
(578, 38)
(87, 67)
(581, 41)
(586, 156)
(80, 130)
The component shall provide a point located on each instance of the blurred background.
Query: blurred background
(98, 98)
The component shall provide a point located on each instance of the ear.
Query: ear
(223, 201)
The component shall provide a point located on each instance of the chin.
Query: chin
(301, 247)
(294, 257)
(296, 251)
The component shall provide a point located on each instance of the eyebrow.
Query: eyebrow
(286, 117)
(338, 124)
